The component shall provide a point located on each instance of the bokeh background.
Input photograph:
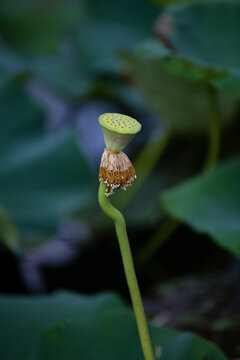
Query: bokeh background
(175, 67)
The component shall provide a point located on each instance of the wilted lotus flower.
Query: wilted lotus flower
(116, 170)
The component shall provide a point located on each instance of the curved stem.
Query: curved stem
(128, 265)
(214, 130)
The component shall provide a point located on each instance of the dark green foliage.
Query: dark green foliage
(43, 177)
(210, 203)
(68, 326)
(104, 50)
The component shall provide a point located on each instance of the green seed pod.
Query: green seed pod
(116, 170)
(118, 130)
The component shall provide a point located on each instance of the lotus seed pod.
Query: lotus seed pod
(116, 170)
(118, 130)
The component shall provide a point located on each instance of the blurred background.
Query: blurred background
(175, 67)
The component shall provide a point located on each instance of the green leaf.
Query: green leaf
(205, 36)
(70, 76)
(185, 346)
(38, 27)
(37, 40)
(24, 318)
(210, 204)
(70, 326)
(106, 30)
(113, 335)
(43, 177)
(100, 42)
(199, 48)
(206, 33)
(184, 103)
(72, 45)
(44, 180)
(125, 13)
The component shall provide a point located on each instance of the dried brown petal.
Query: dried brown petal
(116, 170)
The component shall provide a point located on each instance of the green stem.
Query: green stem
(128, 265)
(159, 238)
(171, 225)
(214, 130)
(149, 156)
